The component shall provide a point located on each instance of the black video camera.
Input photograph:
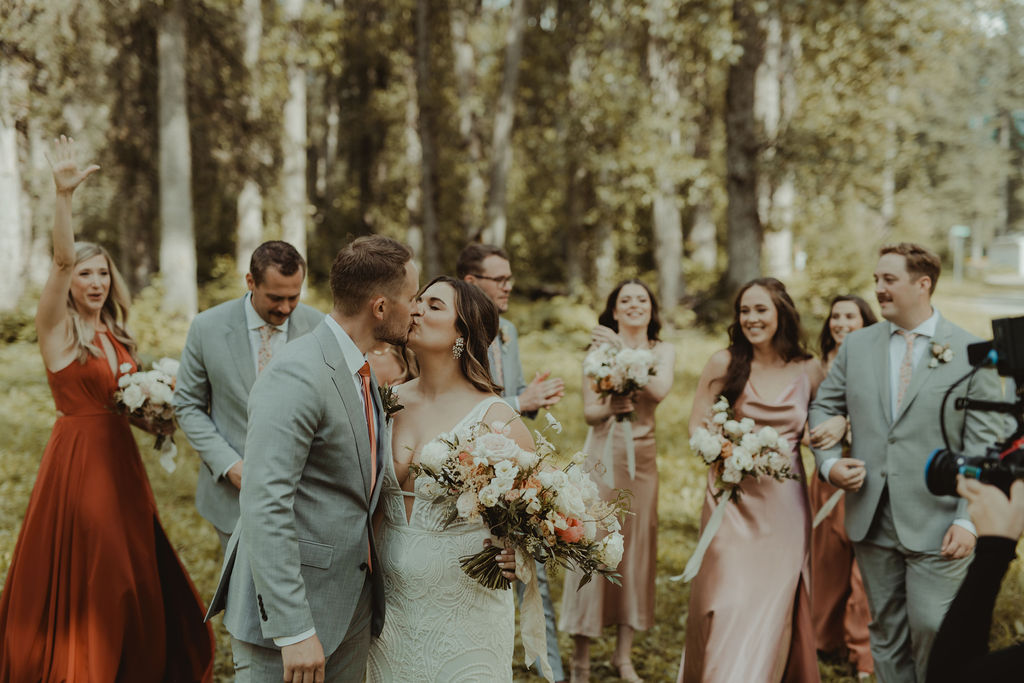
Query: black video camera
(1004, 462)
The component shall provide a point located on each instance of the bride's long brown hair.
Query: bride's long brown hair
(476, 321)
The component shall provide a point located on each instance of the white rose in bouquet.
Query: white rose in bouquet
(720, 418)
(706, 444)
(506, 469)
(168, 366)
(777, 461)
(733, 428)
(746, 425)
(730, 474)
(750, 443)
(466, 505)
(433, 456)
(768, 437)
(496, 447)
(526, 459)
(488, 496)
(610, 549)
(160, 394)
(741, 459)
(133, 397)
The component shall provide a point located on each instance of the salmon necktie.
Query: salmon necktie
(371, 426)
(906, 367)
(264, 352)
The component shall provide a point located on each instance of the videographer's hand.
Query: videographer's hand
(991, 512)
(848, 474)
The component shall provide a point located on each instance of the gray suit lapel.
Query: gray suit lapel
(345, 385)
(922, 373)
(238, 338)
(882, 373)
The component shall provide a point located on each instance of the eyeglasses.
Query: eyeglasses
(504, 280)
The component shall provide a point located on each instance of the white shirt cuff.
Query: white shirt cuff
(515, 404)
(224, 474)
(291, 640)
(826, 467)
(967, 524)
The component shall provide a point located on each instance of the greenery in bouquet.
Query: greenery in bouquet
(540, 503)
(618, 371)
(737, 450)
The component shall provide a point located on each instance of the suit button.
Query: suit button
(362, 566)
(892, 439)
(882, 473)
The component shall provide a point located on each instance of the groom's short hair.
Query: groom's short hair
(920, 261)
(367, 267)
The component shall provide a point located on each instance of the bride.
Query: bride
(442, 625)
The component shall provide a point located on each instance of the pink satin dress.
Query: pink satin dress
(749, 616)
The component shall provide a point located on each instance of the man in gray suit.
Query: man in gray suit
(913, 548)
(224, 351)
(488, 268)
(299, 586)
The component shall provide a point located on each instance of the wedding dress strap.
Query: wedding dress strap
(479, 411)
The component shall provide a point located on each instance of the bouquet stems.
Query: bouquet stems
(483, 569)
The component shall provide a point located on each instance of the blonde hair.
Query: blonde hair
(114, 314)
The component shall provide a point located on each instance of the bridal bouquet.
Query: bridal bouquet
(541, 510)
(147, 396)
(736, 450)
(539, 503)
(618, 371)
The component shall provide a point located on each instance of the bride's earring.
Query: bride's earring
(457, 348)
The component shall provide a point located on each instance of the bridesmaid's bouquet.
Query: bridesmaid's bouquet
(618, 371)
(534, 502)
(147, 397)
(736, 450)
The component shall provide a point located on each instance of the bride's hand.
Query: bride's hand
(506, 559)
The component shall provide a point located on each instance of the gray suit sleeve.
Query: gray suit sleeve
(278, 448)
(518, 382)
(192, 406)
(829, 401)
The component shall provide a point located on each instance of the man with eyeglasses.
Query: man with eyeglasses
(488, 268)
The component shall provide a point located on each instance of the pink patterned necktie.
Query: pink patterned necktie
(906, 367)
(264, 353)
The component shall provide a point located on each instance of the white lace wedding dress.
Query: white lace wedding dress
(440, 625)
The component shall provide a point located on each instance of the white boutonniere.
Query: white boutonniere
(941, 353)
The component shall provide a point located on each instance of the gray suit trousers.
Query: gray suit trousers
(908, 595)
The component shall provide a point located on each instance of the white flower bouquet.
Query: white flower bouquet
(146, 397)
(736, 450)
(530, 504)
(618, 371)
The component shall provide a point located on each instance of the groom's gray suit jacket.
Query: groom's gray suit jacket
(298, 557)
(214, 380)
(896, 448)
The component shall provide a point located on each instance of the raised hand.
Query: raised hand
(66, 174)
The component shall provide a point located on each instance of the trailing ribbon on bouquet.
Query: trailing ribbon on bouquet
(827, 508)
(167, 449)
(714, 522)
(531, 616)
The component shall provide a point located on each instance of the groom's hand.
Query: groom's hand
(957, 543)
(848, 474)
(304, 661)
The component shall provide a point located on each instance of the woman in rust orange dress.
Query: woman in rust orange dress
(838, 602)
(95, 592)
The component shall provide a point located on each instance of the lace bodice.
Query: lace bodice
(439, 625)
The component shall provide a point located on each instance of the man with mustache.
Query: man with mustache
(913, 548)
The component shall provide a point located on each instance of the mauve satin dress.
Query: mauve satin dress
(749, 615)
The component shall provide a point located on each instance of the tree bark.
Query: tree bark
(501, 142)
(14, 242)
(428, 167)
(414, 162)
(293, 142)
(249, 228)
(464, 63)
(177, 237)
(743, 224)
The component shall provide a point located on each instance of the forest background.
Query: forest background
(696, 143)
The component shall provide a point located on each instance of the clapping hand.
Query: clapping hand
(604, 335)
(542, 392)
(66, 174)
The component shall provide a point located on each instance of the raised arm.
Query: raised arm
(52, 315)
(708, 388)
(664, 372)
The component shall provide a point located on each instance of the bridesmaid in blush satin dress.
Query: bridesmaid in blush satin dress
(94, 592)
(749, 613)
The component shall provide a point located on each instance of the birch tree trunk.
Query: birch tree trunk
(741, 150)
(293, 142)
(464, 62)
(177, 238)
(414, 162)
(249, 229)
(14, 241)
(428, 151)
(501, 142)
(666, 213)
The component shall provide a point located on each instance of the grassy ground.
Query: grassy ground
(555, 334)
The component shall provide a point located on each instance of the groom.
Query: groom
(299, 587)
(913, 548)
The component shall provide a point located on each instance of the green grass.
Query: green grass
(554, 334)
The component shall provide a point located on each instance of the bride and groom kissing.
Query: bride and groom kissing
(332, 534)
